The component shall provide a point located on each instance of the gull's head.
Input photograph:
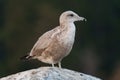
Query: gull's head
(69, 17)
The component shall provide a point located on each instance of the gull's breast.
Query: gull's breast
(69, 34)
(67, 38)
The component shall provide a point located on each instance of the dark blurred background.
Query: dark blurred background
(96, 49)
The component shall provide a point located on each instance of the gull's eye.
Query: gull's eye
(71, 15)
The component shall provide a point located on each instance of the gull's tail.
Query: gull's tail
(26, 57)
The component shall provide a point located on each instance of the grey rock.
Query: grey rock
(49, 73)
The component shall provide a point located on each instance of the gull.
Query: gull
(57, 43)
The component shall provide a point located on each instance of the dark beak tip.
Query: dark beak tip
(85, 20)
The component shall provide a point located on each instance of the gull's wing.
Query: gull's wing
(43, 42)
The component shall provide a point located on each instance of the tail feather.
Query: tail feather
(26, 57)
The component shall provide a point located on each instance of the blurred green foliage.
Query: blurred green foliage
(96, 49)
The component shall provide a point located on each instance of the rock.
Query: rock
(49, 73)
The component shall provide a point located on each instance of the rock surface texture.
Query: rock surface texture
(49, 73)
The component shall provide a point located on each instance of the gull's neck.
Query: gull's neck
(67, 25)
(68, 28)
(68, 32)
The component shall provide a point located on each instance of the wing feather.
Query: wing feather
(43, 42)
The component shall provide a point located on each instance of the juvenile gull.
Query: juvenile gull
(57, 43)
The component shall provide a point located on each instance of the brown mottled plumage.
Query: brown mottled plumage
(57, 43)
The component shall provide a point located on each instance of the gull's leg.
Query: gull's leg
(53, 65)
(59, 64)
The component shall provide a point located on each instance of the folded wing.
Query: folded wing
(43, 42)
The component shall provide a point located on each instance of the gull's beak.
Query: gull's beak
(81, 19)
